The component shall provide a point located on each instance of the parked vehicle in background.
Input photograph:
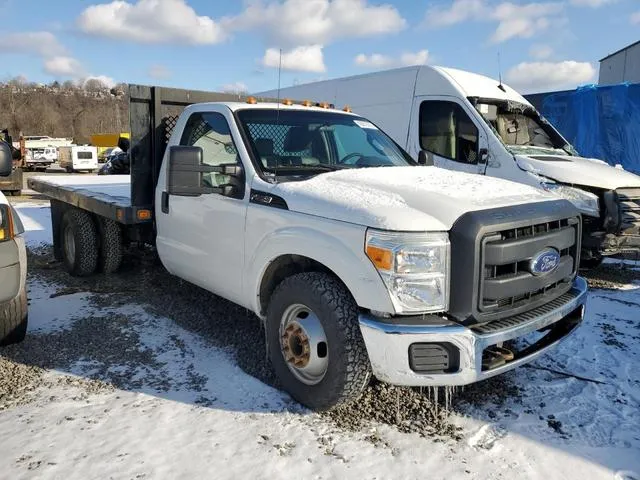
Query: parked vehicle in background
(12, 183)
(41, 157)
(13, 263)
(358, 261)
(471, 123)
(78, 158)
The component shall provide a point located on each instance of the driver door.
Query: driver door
(444, 128)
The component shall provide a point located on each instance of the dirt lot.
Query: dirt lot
(148, 370)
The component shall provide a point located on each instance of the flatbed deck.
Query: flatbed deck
(105, 195)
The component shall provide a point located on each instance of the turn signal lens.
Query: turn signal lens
(347, 109)
(287, 101)
(6, 224)
(306, 103)
(381, 257)
(252, 100)
(144, 214)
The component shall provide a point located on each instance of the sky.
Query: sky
(237, 45)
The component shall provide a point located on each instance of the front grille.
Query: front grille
(629, 210)
(506, 279)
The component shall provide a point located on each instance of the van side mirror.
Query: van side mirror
(483, 156)
(6, 159)
(425, 159)
(186, 175)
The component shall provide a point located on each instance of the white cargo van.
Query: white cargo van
(470, 123)
(78, 158)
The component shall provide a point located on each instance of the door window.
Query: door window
(210, 131)
(447, 131)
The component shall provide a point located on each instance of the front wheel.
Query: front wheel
(314, 341)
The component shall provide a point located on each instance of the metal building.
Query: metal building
(621, 66)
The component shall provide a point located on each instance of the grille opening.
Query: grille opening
(519, 269)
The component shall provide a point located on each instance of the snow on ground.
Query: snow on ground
(177, 407)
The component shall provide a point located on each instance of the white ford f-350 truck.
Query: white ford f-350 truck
(358, 261)
(466, 122)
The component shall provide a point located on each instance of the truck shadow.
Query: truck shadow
(145, 331)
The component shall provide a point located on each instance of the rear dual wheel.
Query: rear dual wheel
(90, 245)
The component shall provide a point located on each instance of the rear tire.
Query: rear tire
(14, 320)
(111, 246)
(79, 240)
(347, 370)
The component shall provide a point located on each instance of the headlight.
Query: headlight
(584, 201)
(414, 267)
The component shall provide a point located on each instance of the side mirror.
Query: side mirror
(483, 156)
(425, 159)
(186, 169)
(6, 159)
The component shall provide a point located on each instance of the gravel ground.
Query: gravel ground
(611, 275)
(221, 323)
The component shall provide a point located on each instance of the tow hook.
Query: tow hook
(496, 356)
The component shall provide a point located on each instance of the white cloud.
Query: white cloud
(236, 87)
(545, 76)
(514, 20)
(292, 23)
(103, 79)
(460, 11)
(540, 51)
(150, 21)
(159, 72)
(523, 21)
(376, 60)
(591, 3)
(300, 59)
(42, 44)
(635, 18)
(63, 66)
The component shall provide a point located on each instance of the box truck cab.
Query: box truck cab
(471, 123)
(78, 158)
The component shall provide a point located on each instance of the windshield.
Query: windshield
(522, 129)
(296, 142)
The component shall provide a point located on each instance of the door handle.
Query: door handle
(165, 202)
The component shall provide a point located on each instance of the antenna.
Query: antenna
(500, 86)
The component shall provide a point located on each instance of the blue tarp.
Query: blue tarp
(599, 121)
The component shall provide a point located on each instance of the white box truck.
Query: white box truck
(471, 123)
(357, 260)
(78, 158)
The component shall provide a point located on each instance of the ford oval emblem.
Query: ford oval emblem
(544, 262)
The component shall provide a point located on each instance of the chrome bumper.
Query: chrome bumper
(388, 344)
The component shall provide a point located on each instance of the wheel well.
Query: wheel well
(285, 266)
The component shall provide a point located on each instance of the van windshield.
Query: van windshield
(298, 143)
(521, 128)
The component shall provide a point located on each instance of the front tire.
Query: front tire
(314, 341)
(79, 240)
(14, 320)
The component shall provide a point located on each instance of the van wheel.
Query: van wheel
(14, 320)
(111, 247)
(79, 243)
(69, 169)
(314, 341)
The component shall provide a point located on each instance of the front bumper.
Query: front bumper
(388, 345)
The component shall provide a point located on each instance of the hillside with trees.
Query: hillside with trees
(63, 109)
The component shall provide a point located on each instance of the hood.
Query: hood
(589, 172)
(403, 198)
